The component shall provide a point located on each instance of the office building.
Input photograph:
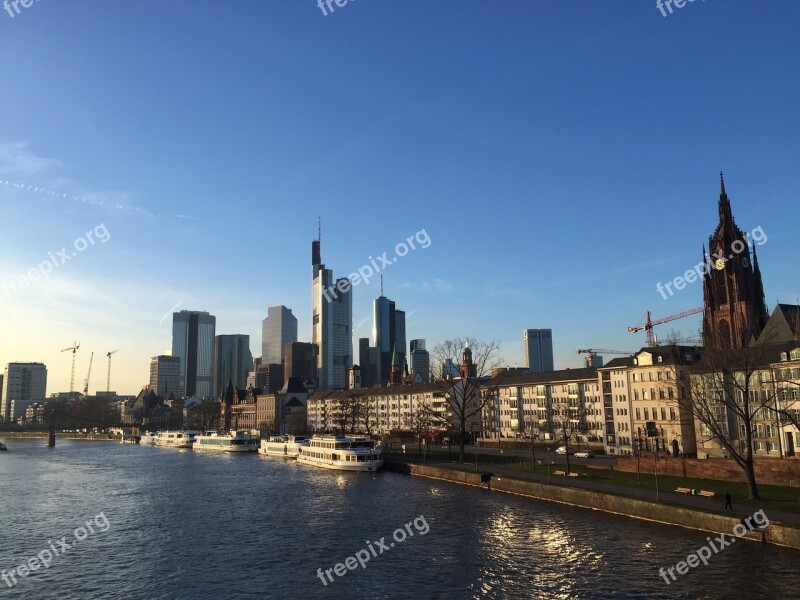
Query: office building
(232, 361)
(24, 384)
(193, 342)
(332, 324)
(388, 336)
(299, 361)
(165, 376)
(538, 346)
(420, 362)
(277, 330)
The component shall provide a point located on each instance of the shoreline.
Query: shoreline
(777, 533)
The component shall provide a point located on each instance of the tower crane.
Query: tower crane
(108, 381)
(649, 324)
(89, 374)
(74, 348)
(592, 352)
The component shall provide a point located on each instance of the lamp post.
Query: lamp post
(548, 463)
(655, 469)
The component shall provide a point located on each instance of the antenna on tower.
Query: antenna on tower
(381, 284)
(319, 229)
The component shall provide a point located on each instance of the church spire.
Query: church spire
(724, 204)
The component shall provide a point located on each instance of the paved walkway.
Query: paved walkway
(714, 505)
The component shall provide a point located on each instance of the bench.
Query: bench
(559, 473)
(683, 491)
(706, 494)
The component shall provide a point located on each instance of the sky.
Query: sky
(562, 157)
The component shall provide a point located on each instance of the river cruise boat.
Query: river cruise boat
(148, 438)
(342, 453)
(129, 438)
(234, 441)
(287, 446)
(175, 439)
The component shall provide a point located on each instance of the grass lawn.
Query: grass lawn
(773, 496)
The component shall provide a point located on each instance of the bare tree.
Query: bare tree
(421, 422)
(367, 415)
(476, 362)
(205, 416)
(533, 430)
(730, 391)
(567, 422)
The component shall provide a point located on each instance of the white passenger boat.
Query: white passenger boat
(175, 439)
(148, 438)
(342, 453)
(287, 446)
(129, 438)
(234, 441)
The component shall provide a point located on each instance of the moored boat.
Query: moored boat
(175, 439)
(342, 453)
(3, 447)
(287, 446)
(234, 441)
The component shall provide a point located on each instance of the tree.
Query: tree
(420, 423)
(204, 417)
(477, 362)
(730, 391)
(568, 420)
(367, 416)
(533, 430)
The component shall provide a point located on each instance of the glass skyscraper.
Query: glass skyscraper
(232, 361)
(538, 345)
(277, 330)
(23, 384)
(165, 376)
(388, 335)
(193, 342)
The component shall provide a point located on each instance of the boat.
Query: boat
(287, 446)
(235, 441)
(128, 438)
(175, 439)
(342, 453)
(3, 447)
(148, 438)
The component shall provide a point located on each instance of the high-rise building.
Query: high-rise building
(388, 336)
(332, 324)
(299, 361)
(165, 376)
(420, 361)
(538, 344)
(232, 361)
(24, 384)
(193, 342)
(277, 330)
(732, 290)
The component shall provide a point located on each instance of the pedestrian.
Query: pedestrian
(728, 504)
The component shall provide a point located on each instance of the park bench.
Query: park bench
(706, 494)
(559, 473)
(683, 491)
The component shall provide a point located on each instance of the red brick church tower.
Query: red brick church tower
(732, 288)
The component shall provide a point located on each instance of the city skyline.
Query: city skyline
(620, 212)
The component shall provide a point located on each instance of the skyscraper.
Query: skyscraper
(23, 384)
(299, 361)
(232, 361)
(420, 361)
(277, 330)
(332, 324)
(388, 336)
(165, 376)
(538, 345)
(193, 342)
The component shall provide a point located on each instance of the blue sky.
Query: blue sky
(562, 156)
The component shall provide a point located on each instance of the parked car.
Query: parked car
(561, 450)
(584, 454)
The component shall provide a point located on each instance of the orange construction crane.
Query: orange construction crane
(649, 324)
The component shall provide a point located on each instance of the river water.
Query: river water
(153, 523)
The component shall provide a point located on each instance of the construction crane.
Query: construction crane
(592, 352)
(649, 324)
(108, 381)
(74, 348)
(89, 374)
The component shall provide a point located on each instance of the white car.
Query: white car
(584, 454)
(561, 450)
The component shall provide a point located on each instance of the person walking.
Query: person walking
(728, 504)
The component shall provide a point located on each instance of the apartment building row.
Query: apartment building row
(644, 400)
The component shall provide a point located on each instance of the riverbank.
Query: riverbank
(98, 437)
(781, 531)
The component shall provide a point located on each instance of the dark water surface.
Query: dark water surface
(183, 524)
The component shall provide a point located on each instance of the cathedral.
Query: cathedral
(735, 312)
